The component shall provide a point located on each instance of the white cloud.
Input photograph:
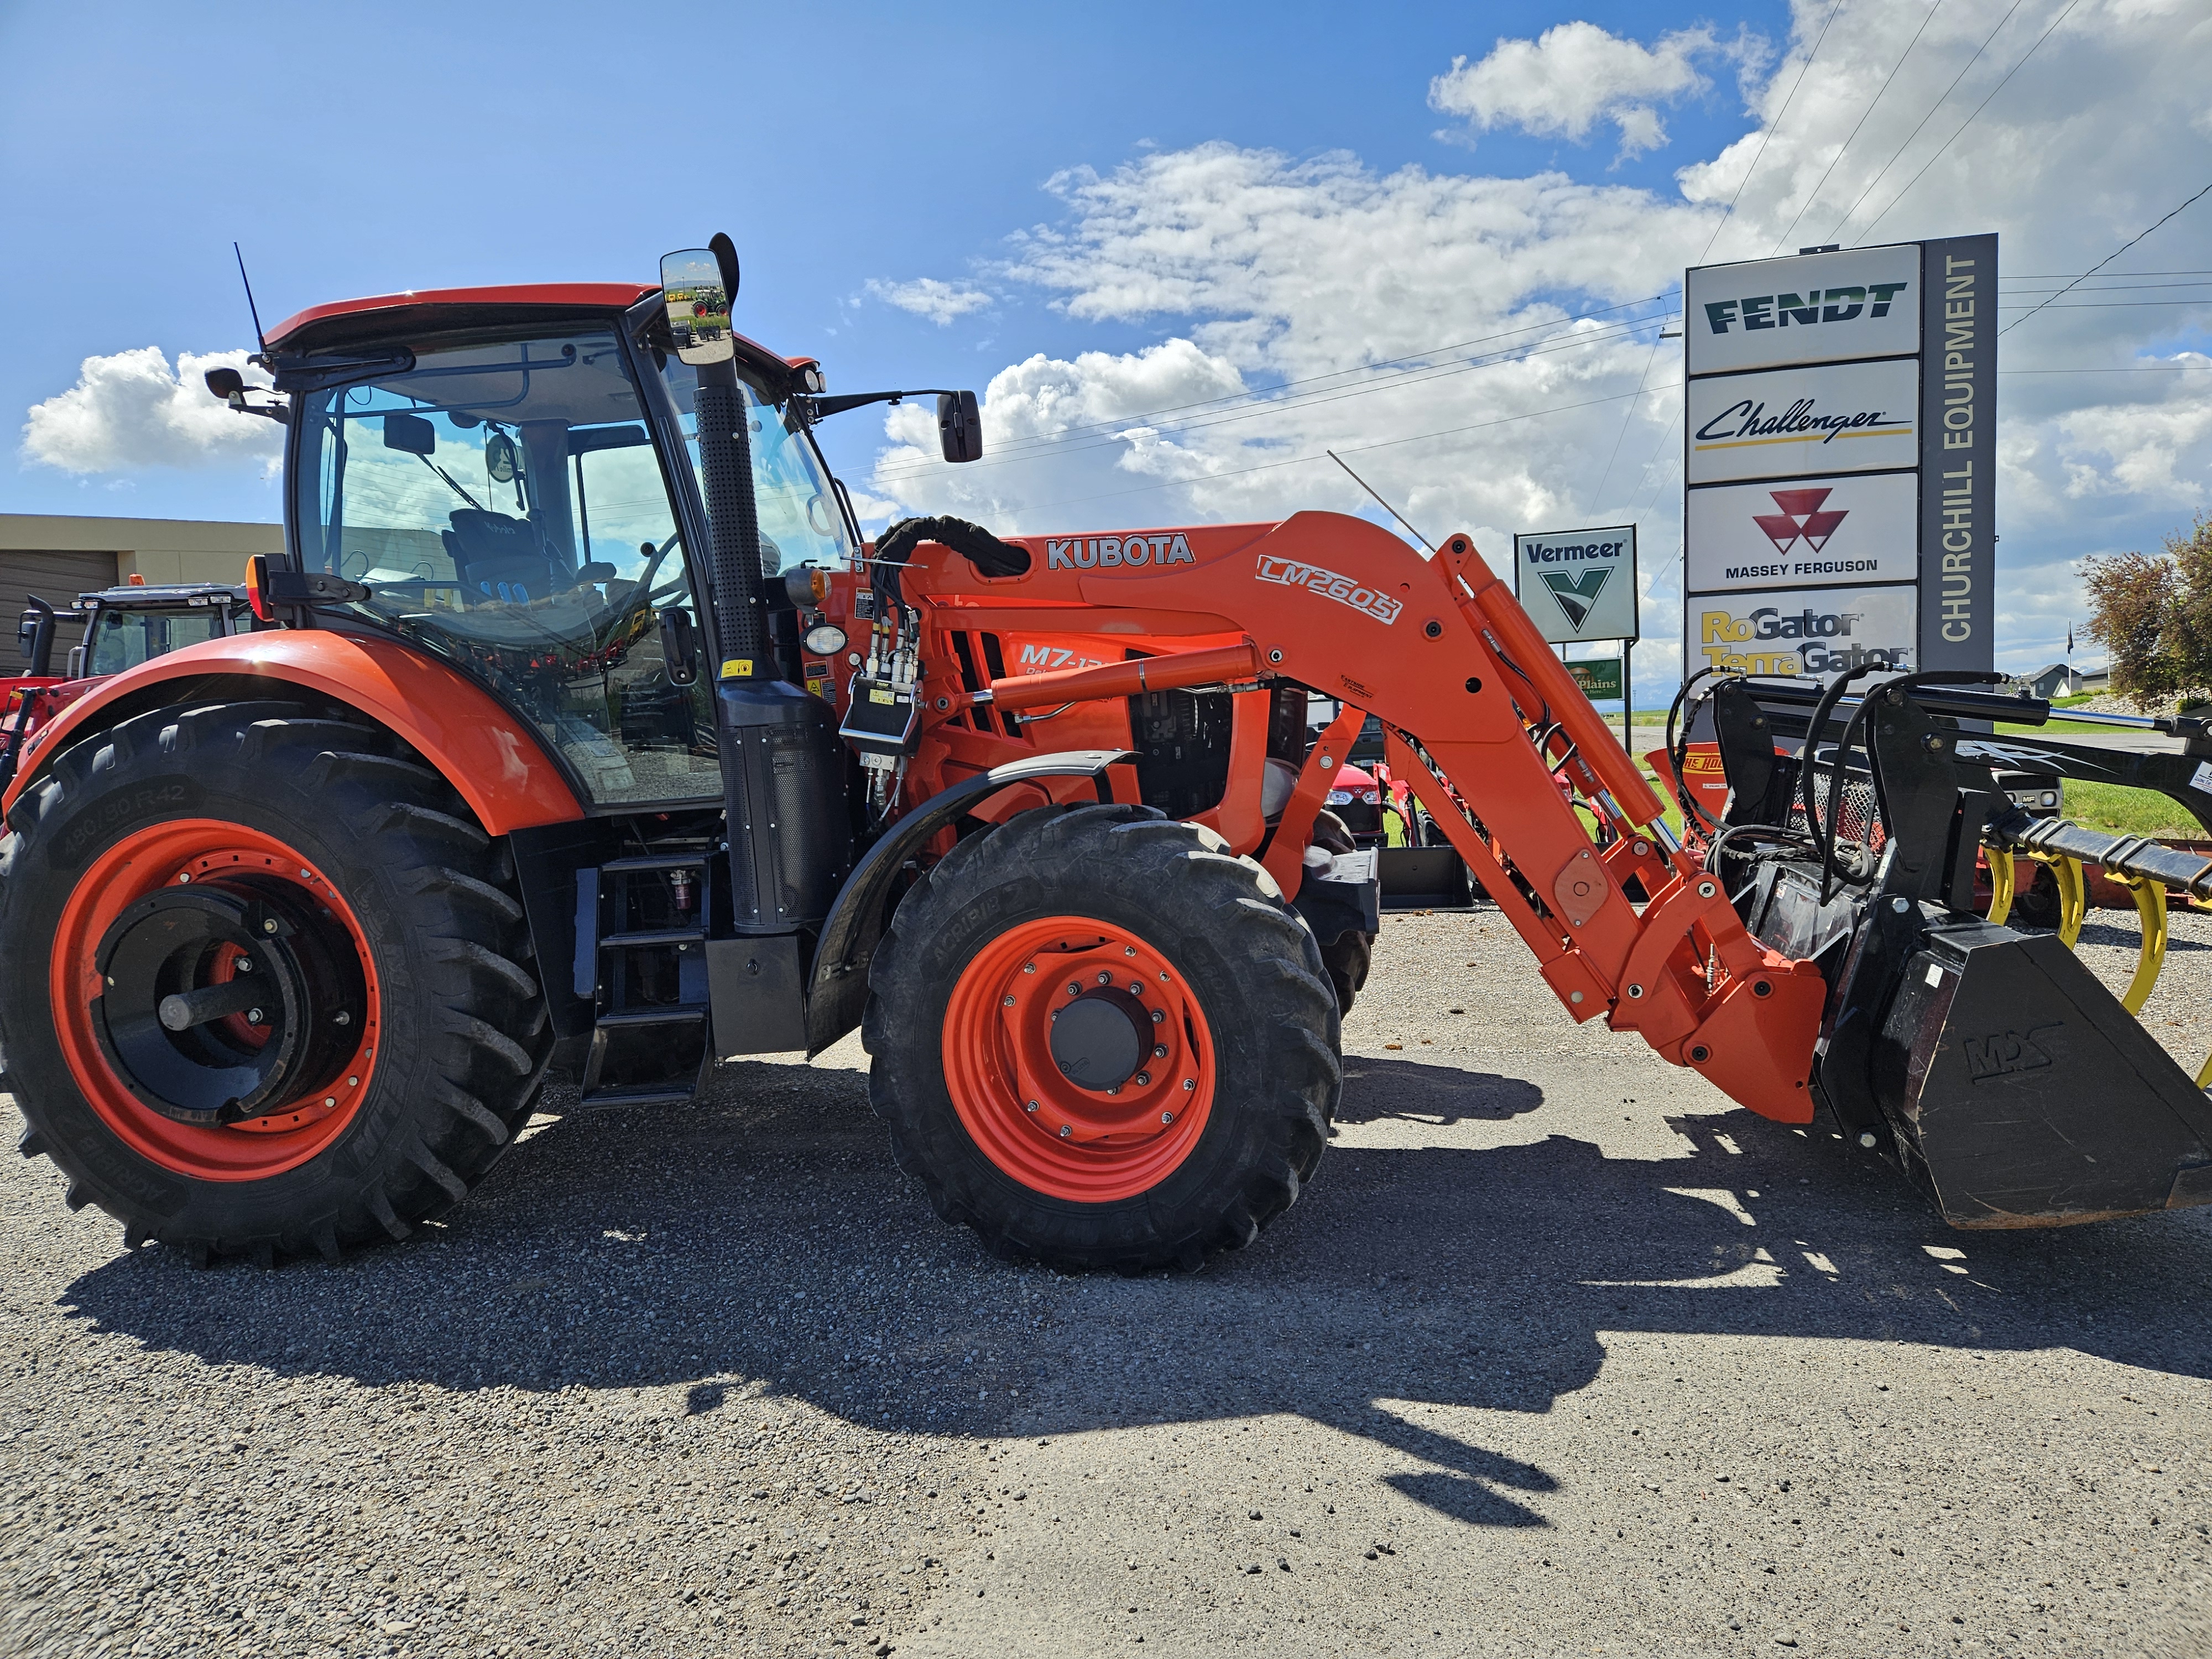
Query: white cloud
(129, 410)
(939, 301)
(1264, 269)
(1574, 76)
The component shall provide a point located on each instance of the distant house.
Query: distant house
(2059, 680)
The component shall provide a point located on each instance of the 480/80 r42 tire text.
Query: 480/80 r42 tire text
(1102, 1041)
(266, 990)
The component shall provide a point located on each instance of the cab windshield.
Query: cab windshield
(801, 520)
(505, 507)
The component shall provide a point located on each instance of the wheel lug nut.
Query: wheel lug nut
(1188, 1083)
(344, 1018)
(1031, 1106)
(1067, 1130)
(1074, 989)
(1105, 978)
(1167, 1117)
(1136, 987)
(1159, 1051)
(254, 1017)
(1164, 975)
(1029, 967)
(1128, 950)
(330, 1100)
(1142, 1079)
(269, 924)
(1009, 1002)
(1158, 1014)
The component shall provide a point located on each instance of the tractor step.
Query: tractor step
(650, 1035)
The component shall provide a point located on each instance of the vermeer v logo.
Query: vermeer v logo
(1577, 594)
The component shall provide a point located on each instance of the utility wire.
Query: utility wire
(1969, 121)
(1782, 240)
(2106, 260)
(1352, 449)
(1272, 393)
(1626, 415)
(1220, 417)
(1837, 233)
(1768, 132)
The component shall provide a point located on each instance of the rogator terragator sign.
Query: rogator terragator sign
(1840, 459)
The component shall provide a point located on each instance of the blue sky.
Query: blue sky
(1273, 192)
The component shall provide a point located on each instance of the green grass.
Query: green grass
(2058, 730)
(2120, 810)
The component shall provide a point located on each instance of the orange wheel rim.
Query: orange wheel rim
(1026, 1114)
(258, 904)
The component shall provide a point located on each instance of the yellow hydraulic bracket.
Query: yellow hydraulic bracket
(2000, 860)
(2150, 906)
(2072, 895)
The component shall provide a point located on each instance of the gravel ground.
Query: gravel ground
(1558, 1355)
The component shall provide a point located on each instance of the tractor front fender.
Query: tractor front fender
(486, 752)
(837, 986)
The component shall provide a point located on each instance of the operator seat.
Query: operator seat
(499, 557)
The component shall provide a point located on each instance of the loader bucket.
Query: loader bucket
(2017, 1091)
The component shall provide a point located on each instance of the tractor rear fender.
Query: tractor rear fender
(837, 985)
(489, 754)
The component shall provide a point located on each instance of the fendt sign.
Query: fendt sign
(1840, 460)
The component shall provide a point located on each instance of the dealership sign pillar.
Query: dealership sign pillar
(1579, 586)
(1840, 460)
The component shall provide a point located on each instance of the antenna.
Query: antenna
(1425, 543)
(252, 309)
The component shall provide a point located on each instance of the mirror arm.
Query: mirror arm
(812, 406)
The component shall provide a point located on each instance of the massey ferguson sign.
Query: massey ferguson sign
(1839, 528)
(1839, 455)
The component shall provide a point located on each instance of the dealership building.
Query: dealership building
(56, 558)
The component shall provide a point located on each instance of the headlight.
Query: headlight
(2051, 797)
(826, 640)
(1372, 797)
(1340, 798)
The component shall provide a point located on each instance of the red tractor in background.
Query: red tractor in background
(582, 729)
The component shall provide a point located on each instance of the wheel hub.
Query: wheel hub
(221, 1000)
(1099, 1040)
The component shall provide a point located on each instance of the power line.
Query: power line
(1350, 449)
(1782, 240)
(1220, 417)
(1969, 121)
(2097, 305)
(1627, 415)
(1835, 234)
(2108, 260)
(1271, 392)
(1769, 131)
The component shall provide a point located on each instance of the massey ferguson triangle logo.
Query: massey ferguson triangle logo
(1577, 594)
(1801, 516)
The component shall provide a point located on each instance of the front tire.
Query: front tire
(159, 867)
(1118, 921)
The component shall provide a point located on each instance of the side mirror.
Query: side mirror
(226, 383)
(410, 434)
(698, 285)
(959, 426)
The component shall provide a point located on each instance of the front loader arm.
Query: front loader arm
(1479, 712)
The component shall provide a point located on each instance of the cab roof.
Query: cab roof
(386, 318)
(303, 331)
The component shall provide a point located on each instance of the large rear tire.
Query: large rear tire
(1119, 921)
(159, 867)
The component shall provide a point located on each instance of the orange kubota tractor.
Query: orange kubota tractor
(585, 732)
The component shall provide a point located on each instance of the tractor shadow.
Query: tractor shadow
(1438, 1096)
(765, 1243)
